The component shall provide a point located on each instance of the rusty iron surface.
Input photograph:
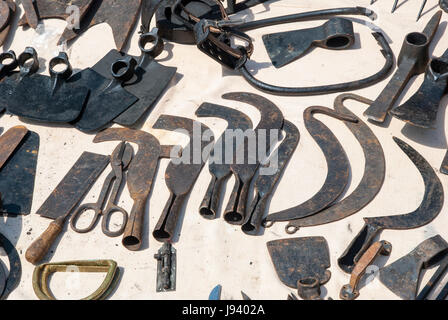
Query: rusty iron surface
(50, 9)
(271, 119)
(351, 291)
(5, 31)
(431, 284)
(120, 15)
(285, 47)
(421, 109)
(264, 184)
(140, 177)
(18, 175)
(180, 176)
(402, 276)
(9, 141)
(371, 182)
(412, 61)
(219, 169)
(5, 14)
(12, 280)
(337, 163)
(301, 263)
(75, 184)
(428, 210)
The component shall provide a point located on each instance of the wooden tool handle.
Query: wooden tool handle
(39, 248)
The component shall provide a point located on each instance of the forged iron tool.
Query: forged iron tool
(402, 276)
(302, 263)
(43, 272)
(51, 99)
(371, 182)
(149, 80)
(429, 208)
(108, 99)
(268, 128)
(219, 167)
(442, 3)
(264, 184)
(9, 141)
(119, 160)
(176, 26)
(350, 291)
(166, 268)
(18, 174)
(61, 202)
(120, 15)
(180, 176)
(7, 12)
(421, 109)
(10, 282)
(285, 47)
(8, 76)
(431, 284)
(412, 61)
(36, 10)
(337, 173)
(140, 177)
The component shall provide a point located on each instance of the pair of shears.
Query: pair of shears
(120, 160)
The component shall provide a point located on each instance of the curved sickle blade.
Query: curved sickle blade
(337, 162)
(371, 182)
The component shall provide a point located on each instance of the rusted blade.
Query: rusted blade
(30, 13)
(9, 142)
(5, 14)
(118, 14)
(337, 162)
(371, 182)
(5, 31)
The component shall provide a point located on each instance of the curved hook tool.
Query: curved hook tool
(265, 183)
(428, 210)
(15, 268)
(371, 182)
(180, 176)
(271, 122)
(421, 109)
(337, 162)
(140, 176)
(412, 61)
(285, 47)
(219, 167)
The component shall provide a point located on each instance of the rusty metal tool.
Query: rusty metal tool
(302, 263)
(412, 61)
(219, 167)
(120, 159)
(63, 200)
(268, 128)
(166, 268)
(149, 81)
(337, 163)
(108, 99)
(421, 109)
(371, 181)
(7, 12)
(265, 183)
(285, 47)
(36, 10)
(54, 98)
(9, 141)
(436, 277)
(402, 276)
(180, 175)
(9, 75)
(428, 210)
(140, 176)
(9, 282)
(18, 174)
(42, 273)
(120, 15)
(350, 291)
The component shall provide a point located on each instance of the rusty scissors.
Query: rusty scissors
(120, 160)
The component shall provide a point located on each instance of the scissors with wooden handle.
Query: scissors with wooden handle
(120, 160)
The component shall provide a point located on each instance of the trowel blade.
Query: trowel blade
(148, 85)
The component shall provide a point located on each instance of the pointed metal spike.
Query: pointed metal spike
(395, 6)
(421, 9)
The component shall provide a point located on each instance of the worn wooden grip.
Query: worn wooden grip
(39, 248)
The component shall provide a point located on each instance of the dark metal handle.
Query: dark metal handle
(132, 237)
(6, 68)
(107, 214)
(210, 203)
(27, 54)
(166, 226)
(81, 211)
(257, 210)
